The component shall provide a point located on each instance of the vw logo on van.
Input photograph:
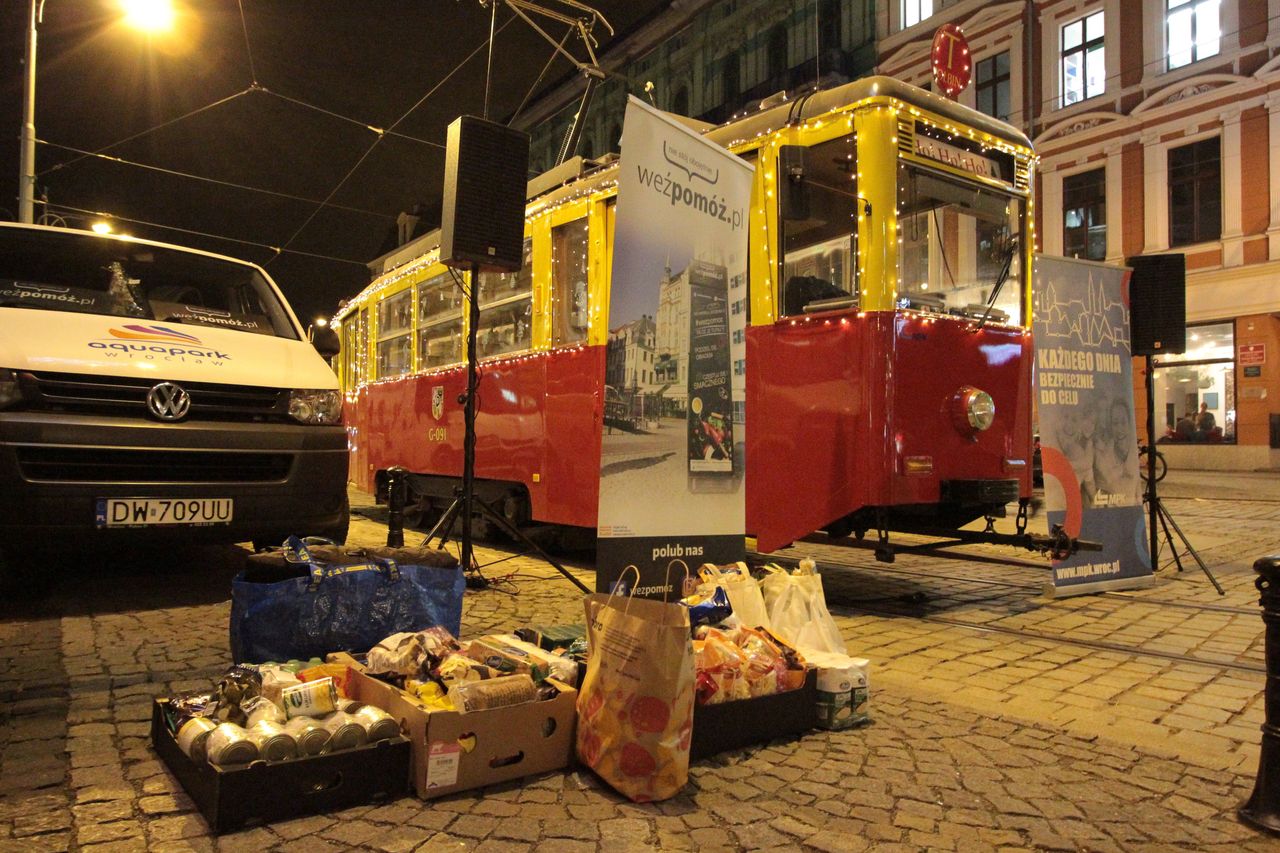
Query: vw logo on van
(168, 402)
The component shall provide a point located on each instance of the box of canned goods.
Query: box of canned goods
(275, 770)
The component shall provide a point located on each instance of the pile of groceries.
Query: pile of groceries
(494, 671)
(273, 712)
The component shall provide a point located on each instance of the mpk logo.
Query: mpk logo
(437, 402)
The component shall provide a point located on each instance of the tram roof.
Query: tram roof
(579, 175)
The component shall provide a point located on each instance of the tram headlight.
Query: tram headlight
(316, 407)
(973, 410)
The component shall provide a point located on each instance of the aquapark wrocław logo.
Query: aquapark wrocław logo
(157, 343)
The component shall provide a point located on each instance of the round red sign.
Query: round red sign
(950, 57)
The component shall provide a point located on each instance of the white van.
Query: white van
(149, 392)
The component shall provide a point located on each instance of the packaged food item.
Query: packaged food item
(192, 703)
(273, 742)
(230, 744)
(310, 698)
(312, 738)
(411, 654)
(471, 696)
(261, 708)
(345, 732)
(239, 684)
(193, 737)
(708, 606)
(456, 668)
(552, 637)
(842, 689)
(509, 654)
(275, 677)
(431, 693)
(336, 671)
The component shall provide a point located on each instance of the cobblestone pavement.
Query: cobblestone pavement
(994, 728)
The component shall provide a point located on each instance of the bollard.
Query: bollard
(1263, 808)
(397, 494)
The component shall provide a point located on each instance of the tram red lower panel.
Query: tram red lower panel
(538, 424)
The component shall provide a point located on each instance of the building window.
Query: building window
(829, 26)
(915, 11)
(680, 103)
(1195, 192)
(992, 77)
(777, 53)
(1084, 215)
(1193, 31)
(1196, 390)
(1084, 73)
(731, 82)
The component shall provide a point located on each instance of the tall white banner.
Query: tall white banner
(672, 453)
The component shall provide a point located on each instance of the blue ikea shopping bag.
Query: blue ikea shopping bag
(348, 602)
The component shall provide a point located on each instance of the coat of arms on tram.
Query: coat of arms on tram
(437, 402)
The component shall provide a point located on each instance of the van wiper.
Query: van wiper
(1000, 280)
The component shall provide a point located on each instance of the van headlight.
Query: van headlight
(316, 407)
(10, 390)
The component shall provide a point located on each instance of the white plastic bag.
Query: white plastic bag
(743, 591)
(798, 611)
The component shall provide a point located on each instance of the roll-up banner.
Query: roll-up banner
(673, 443)
(1088, 440)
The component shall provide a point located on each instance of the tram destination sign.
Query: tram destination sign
(957, 158)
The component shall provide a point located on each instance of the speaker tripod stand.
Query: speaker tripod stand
(465, 503)
(1158, 516)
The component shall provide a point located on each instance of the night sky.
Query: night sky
(369, 61)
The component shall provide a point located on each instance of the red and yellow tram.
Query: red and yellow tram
(888, 349)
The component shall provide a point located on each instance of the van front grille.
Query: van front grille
(106, 465)
(115, 395)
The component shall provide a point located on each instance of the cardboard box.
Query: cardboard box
(232, 798)
(457, 752)
(733, 725)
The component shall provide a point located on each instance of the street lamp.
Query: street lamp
(148, 15)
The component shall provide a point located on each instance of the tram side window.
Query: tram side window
(439, 322)
(820, 231)
(959, 245)
(395, 339)
(506, 309)
(569, 282)
(354, 349)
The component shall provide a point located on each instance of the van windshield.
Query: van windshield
(90, 274)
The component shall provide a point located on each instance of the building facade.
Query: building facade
(708, 60)
(1157, 124)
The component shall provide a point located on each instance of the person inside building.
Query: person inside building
(1185, 430)
(1204, 423)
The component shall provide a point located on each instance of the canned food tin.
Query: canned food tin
(377, 723)
(194, 735)
(311, 736)
(345, 731)
(274, 743)
(310, 698)
(230, 744)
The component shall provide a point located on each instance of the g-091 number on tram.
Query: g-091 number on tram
(887, 346)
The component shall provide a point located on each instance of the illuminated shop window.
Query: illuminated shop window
(1084, 73)
(1193, 31)
(1196, 391)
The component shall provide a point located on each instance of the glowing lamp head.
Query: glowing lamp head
(149, 16)
(972, 411)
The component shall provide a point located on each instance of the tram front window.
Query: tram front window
(819, 232)
(957, 245)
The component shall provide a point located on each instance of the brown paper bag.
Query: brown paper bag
(635, 707)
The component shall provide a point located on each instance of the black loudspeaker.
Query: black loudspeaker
(1158, 304)
(485, 173)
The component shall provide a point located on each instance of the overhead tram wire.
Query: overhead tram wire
(277, 250)
(364, 124)
(390, 129)
(248, 48)
(179, 174)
